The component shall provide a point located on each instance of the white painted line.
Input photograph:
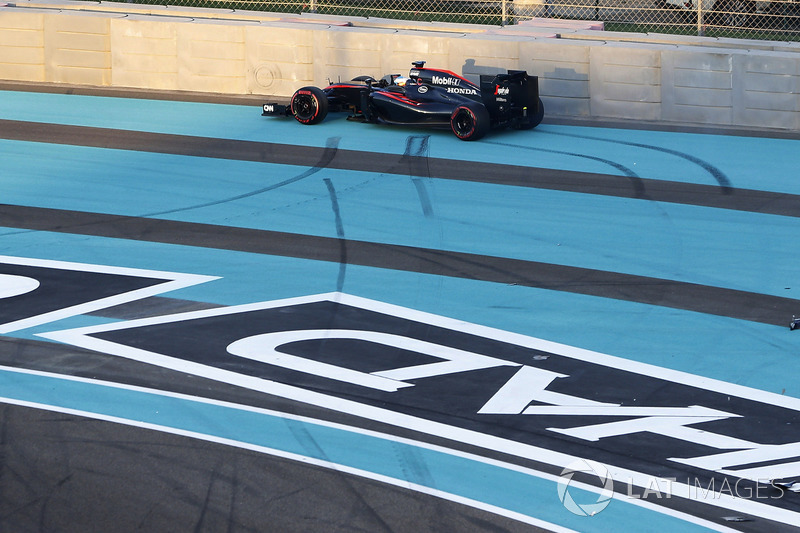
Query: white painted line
(80, 337)
(171, 281)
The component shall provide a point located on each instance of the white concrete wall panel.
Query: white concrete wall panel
(22, 45)
(400, 48)
(211, 57)
(343, 54)
(700, 77)
(483, 53)
(144, 53)
(563, 71)
(624, 81)
(697, 85)
(635, 76)
(770, 91)
(773, 79)
(278, 60)
(77, 48)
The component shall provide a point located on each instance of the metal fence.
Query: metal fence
(768, 19)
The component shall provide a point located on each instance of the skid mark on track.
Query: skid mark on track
(720, 177)
(339, 234)
(313, 449)
(414, 467)
(636, 181)
(424, 197)
(331, 147)
(640, 192)
(416, 154)
(205, 507)
(417, 157)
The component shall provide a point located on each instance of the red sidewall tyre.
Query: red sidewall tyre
(470, 122)
(309, 105)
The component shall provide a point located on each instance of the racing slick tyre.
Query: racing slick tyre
(532, 120)
(309, 105)
(470, 121)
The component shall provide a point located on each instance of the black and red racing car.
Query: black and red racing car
(427, 97)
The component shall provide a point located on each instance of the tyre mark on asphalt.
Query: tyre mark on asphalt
(417, 150)
(755, 201)
(719, 301)
(723, 180)
(417, 154)
(339, 233)
(331, 145)
(637, 182)
(204, 508)
(424, 197)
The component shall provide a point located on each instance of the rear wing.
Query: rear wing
(514, 89)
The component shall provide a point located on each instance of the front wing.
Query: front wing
(275, 109)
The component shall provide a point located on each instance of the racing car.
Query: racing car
(427, 97)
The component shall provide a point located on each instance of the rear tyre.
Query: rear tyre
(309, 105)
(470, 122)
(532, 120)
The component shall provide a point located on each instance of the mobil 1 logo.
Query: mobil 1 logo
(502, 391)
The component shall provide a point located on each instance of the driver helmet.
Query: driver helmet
(401, 81)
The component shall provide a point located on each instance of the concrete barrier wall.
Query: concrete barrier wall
(582, 71)
(22, 54)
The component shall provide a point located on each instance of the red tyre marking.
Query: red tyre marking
(474, 121)
(316, 107)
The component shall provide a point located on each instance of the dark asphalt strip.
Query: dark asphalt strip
(743, 305)
(514, 175)
(72, 474)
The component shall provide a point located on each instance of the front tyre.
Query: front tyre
(532, 119)
(309, 105)
(470, 122)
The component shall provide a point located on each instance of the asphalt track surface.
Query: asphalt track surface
(65, 471)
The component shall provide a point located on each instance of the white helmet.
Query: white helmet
(401, 81)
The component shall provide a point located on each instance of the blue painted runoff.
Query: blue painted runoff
(742, 162)
(709, 246)
(731, 249)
